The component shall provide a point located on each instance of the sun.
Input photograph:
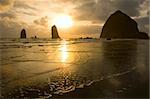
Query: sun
(63, 21)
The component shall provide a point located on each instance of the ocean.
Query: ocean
(44, 67)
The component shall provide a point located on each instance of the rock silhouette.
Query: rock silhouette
(54, 32)
(120, 25)
(23, 33)
(143, 35)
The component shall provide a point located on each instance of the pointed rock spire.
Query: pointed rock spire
(55, 34)
(23, 33)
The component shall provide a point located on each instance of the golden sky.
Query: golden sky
(73, 18)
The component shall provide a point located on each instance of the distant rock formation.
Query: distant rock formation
(34, 37)
(54, 32)
(23, 33)
(120, 25)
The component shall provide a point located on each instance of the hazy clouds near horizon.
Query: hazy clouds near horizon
(89, 15)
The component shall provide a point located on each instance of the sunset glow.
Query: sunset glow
(63, 21)
(73, 18)
(74, 49)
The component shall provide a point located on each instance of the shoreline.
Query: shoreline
(106, 89)
(125, 85)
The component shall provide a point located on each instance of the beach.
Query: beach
(75, 68)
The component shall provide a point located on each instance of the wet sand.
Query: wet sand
(80, 69)
(125, 85)
(130, 88)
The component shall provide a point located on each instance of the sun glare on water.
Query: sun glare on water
(63, 21)
(64, 53)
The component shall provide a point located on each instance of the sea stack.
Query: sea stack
(119, 25)
(54, 32)
(23, 33)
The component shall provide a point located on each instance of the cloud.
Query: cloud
(131, 7)
(25, 8)
(10, 28)
(5, 5)
(40, 28)
(42, 21)
(93, 10)
(7, 15)
(40, 32)
(101, 9)
(143, 23)
(144, 8)
(17, 14)
(21, 4)
(98, 11)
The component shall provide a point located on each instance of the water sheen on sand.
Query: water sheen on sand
(44, 68)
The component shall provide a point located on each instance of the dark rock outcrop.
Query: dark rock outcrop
(120, 25)
(54, 32)
(143, 35)
(23, 33)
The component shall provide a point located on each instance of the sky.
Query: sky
(87, 16)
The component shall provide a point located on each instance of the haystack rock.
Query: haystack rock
(120, 25)
(23, 33)
(55, 34)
